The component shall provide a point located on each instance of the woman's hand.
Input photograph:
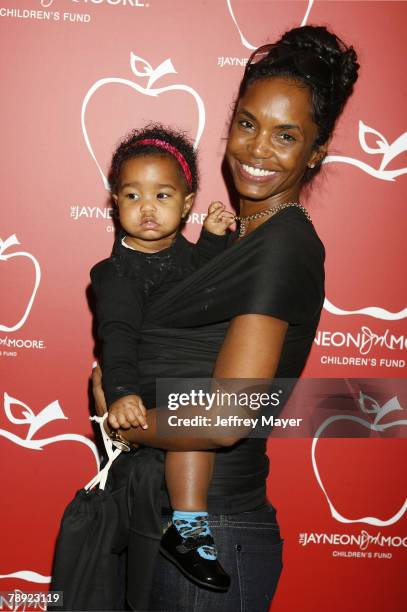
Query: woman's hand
(98, 394)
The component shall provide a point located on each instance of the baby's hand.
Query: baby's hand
(218, 219)
(128, 411)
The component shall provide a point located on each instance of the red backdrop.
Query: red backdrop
(78, 74)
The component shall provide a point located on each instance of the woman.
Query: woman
(253, 311)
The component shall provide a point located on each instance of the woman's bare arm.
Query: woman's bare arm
(251, 349)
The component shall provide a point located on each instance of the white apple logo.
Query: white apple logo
(388, 152)
(244, 41)
(152, 74)
(390, 406)
(4, 245)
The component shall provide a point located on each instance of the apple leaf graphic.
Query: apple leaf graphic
(27, 414)
(397, 147)
(390, 406)
(382, 144)
(389, 151)
(153, 74)
(374, 407)
(7, 243)
(52, 412)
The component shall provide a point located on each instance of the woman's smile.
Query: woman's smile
(255, 173)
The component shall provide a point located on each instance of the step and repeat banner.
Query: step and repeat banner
(76, 76)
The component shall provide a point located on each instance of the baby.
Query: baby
(154, 179)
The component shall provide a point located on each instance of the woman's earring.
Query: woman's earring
(311, 165)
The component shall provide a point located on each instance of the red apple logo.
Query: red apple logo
(380, 424)
(4, 258)
(142, 70)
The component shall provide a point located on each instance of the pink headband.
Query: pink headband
(161, 144)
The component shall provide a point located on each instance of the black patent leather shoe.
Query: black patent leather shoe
(184, 554)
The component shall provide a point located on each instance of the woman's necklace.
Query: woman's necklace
(268, 211)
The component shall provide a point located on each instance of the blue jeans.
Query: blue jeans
(250, 550)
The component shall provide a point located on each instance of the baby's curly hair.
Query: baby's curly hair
(130, 147)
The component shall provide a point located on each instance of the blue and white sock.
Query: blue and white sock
(192, 525)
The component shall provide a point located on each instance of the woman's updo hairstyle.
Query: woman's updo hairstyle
(329, 98)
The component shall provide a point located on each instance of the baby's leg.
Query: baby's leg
(188, 542)
(188, 475)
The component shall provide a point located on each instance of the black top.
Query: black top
(277, 270)
(124, 286)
